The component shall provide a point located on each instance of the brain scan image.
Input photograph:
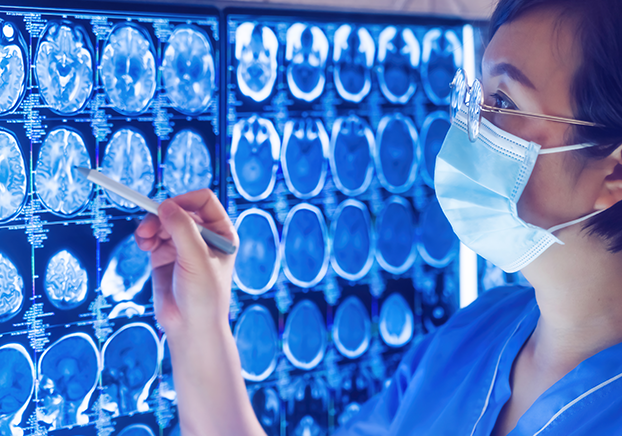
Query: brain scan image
(257, 262)
(66, 281)
(399, 54)
(352, 328)
(130, 358)
(308, 426)
(13, 66)
(188, 164)
(127, 271)
(127, 160)
(433, 134)
(307, 51)
(304, 338)
(353, 56)
(397, 153)
(396, 321)
(305, 250)
(256, 48)
(13, 184)
(255, 151)
(128, 69)
(352, 252)
(257, 342)
(437, 243)
(441, 55)
(11, 289)
(304, 158)
(396, 236)
(59, 186)
(64, 65)
(68, 374)
(188, 70)
(136, 430)
(351, 145)
(17, 380)
(266, 404)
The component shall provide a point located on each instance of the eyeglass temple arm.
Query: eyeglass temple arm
(497, 110)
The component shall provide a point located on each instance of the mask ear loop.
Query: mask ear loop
(564, 148)
(573, 222)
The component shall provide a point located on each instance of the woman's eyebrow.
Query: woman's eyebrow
(512, 72)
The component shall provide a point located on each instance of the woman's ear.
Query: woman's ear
(611, 191)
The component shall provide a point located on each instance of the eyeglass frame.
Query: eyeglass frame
(458, 96)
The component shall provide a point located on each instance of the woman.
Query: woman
(518, 361)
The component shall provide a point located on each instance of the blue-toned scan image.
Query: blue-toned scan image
(353, 56)
(256, 48)
(305, 249)
(11, 289)
(130, 365)
(437, 243)
(353, 242)
(397, 153)
(127, 271)
(307, 51)
(68, 373)
(304, 337)
(304, 158)
(64, 66)
(258, 261)
(267, 407)
(188, 164)
(188, 70)
(257, 342)
(351, 146)
(13, 66)
(396, 321)
(433, 134)
(66, 281)
(17, 376)
(352, 328)
(396, 236)
(59, 186)
(12, 176)
(128, 69)
(441, 55)
(255, 151)
(136, 430)
(128, 160)
(399, 54)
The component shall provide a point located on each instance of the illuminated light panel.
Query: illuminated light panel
(66, 281)
(304, 247)
(396, 321)
(351, 146)
(258, 260)
(256, 49)
(188, 164)
(188, 70)
(396, 236)
(13, 66)
(352, 328)
(128, 69)
(307, 51)
(257, 342)
(12, 176)
(128, 160)
(64, 67)
(397, 153)
(399, 54)
(353, 55)
(11, 289)
(304, 338)
(59, 186)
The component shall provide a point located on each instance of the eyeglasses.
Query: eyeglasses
(473, 98)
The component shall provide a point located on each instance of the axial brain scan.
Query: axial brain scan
(188, 164)
(256, 48)
(13, 66)
(307, 51)
(11, 289)
(12, 176)
(17, 380)
(399, 54)
(353, 56)
(66, 281)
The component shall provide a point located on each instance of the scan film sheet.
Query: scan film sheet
(346, 260)
(135, 96)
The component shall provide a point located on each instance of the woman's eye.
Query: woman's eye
(502, 101)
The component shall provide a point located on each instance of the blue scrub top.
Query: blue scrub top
(456, 380)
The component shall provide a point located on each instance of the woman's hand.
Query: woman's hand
(191, 281)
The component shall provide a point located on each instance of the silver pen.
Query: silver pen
(213, 239)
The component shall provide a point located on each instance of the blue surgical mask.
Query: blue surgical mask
(478, 185)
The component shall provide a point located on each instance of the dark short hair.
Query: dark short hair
(596, 88)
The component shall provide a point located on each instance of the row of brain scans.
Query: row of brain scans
(66, 68)
(397, 52)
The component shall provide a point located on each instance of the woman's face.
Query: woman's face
(529, 65)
